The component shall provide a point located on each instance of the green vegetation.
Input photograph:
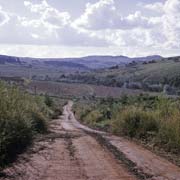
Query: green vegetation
(134, 122)
(140, 75)
(152, 119)
(148, 76)
(22, 116)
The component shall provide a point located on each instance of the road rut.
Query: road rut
(67, 153)
(72, 151)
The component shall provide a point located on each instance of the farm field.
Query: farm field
(26, 71)
(78, 90)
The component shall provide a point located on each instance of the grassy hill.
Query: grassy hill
(165, 71)
(69, 64)
(147, 73)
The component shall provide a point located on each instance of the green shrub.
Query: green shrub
(165, 107)
(21, 117)
(134, 122)
(92, 117)
(151, 118)
(169, 132)
(15, 135)
(39, 122)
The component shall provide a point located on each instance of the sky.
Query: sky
(62, 28)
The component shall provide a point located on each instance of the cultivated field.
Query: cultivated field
(78, 90)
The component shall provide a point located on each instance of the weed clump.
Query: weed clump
(134, 122)
(21, 117)
(152, 119)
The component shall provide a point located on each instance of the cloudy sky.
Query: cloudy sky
(62, 28)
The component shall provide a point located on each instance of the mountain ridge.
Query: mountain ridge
(86, 62)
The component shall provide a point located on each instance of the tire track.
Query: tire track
(66, 153)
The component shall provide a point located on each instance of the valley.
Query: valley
(90, 90)
(125, 114)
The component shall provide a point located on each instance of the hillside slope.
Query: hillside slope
(81, 63)
(165, 71)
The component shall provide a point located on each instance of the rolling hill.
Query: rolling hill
(82, 63)
(154, 72)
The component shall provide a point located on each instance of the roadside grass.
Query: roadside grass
(22, 116)
(151, 119)
(134, 122)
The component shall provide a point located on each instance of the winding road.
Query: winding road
(72, 151)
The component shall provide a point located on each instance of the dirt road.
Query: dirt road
(72, 151)
(67, 153)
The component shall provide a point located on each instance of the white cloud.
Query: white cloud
(77, 51)
(157, 7)
(97, 15)
(151, 28)
(105, 15)
(35, 36)
(4, 17)
(172, 6)
(160, 30)
(55, 51)
(47, 26)
(49, 14)
(168, 21)
(171, 22)
(139, 38)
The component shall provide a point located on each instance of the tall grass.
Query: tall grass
(134, 122)
(21, 117)
(155, 119)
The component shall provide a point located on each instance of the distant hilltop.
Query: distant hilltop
(88, 62)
